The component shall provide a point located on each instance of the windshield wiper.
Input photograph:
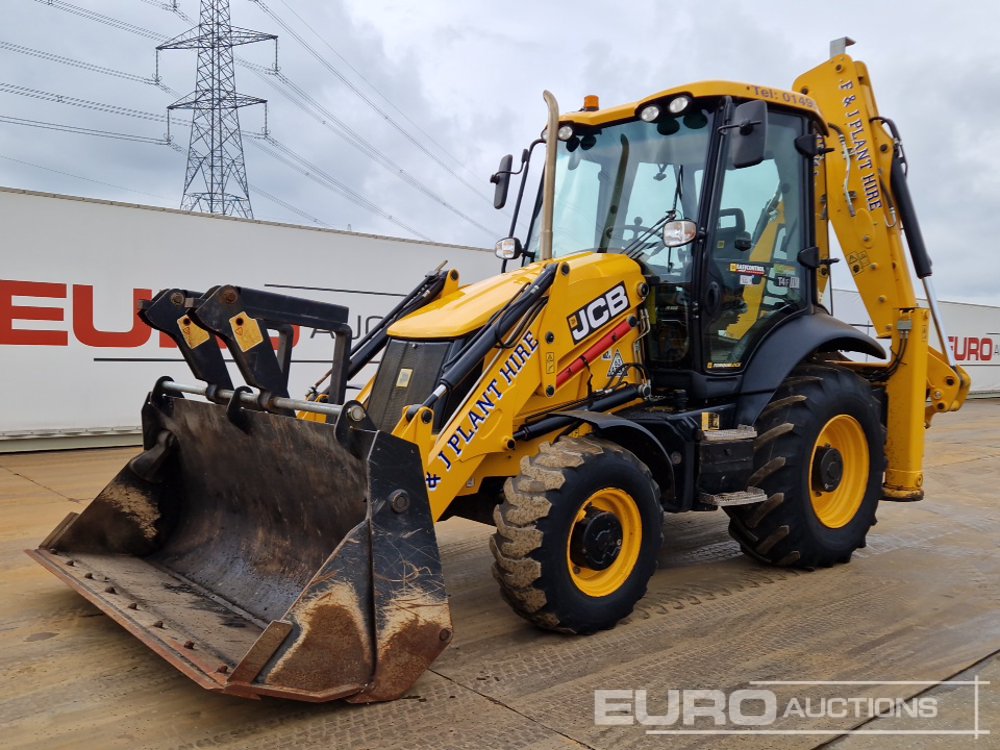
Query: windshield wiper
(635, 247)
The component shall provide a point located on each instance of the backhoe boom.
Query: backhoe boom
(862, 186)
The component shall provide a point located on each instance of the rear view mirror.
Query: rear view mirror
(749, 134)
(502, 180)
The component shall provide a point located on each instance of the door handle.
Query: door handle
(713, 299)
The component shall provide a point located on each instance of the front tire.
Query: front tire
(820, 457)
(578, 535)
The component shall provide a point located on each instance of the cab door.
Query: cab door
(752, 275)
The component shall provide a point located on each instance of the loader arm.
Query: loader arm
(862, 183)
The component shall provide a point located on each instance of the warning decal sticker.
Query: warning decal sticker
(246, 330)
(193, 334)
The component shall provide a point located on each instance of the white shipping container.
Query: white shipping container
(973, 332)
(74, 359)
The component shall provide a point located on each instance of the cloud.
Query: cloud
(470, 75)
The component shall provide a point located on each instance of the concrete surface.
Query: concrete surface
(921, 603)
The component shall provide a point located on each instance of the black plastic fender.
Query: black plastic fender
(633, 437)
(786, 347)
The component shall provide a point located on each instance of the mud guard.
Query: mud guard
(788, 345)
(633, 437)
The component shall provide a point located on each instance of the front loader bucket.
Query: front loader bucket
(265, 555)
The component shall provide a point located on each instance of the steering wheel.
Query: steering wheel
(636, 230)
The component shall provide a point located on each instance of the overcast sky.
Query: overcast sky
(464, 80)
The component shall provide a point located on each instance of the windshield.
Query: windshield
(617, 185)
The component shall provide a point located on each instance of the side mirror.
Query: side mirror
(750, 136)
(502, 180)
(509, 248)
(679, 233)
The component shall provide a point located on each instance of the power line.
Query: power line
(126, 137)
(302, 99)
(79, 177)
(288, 157)
(293, 160)
(174, 9)
(301, 164)
(256, 189)
(309, 170)
(317, 174)
(385, 98)
(82, 65)
(367, 100)
(99, 131)
(288, 206)
(171, 8)
(10, 88)
(101, 18)
(83, 131)
(116, 23)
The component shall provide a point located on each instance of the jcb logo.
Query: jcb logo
(596, 313)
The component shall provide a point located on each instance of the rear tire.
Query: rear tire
(819, 455)
(578, 535)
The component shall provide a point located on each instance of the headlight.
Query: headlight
(678, 104)
(564, 133)
(679, 233)
(508, 248)
(650, 113)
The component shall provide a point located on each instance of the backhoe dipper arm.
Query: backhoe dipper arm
(869, 205)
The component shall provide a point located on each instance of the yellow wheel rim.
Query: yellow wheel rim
(837, 506)
(598, 583)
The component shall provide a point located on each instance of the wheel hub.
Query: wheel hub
(828, 469)
(596, 540)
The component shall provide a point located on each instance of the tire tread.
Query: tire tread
(773, 531)
(521, 520)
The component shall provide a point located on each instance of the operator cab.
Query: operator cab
(742, 173)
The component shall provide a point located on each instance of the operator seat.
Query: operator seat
(731, 245)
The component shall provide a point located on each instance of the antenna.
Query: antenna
(216, 179)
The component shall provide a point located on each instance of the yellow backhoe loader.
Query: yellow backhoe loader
(662, 347)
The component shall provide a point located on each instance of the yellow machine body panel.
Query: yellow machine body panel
(523, 378)
(793, 99)
(464, 310)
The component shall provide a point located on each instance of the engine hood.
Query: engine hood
(470, 307)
